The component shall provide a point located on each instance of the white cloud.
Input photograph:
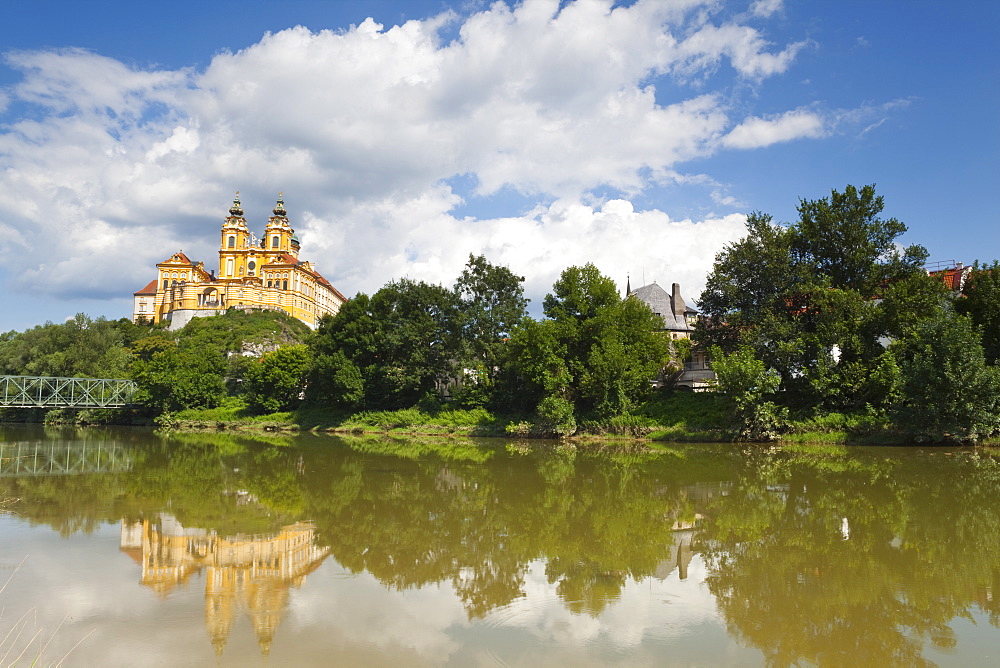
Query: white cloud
(759, 132)
(765, 8)
(116, 167)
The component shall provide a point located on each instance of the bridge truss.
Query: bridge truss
(47, 392)
(56, 458)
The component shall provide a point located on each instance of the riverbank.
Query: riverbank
(676, 418)
(682, 418)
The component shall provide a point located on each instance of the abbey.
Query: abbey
(253, 274)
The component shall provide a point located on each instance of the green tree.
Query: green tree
(277, 380)
(748, 383)
(402, 340)
(174, 379)
(491, 303)
(980, 301)
(536, 365)
(334, 379)
(948, 391)
(818, 300)
(80, 347)
(627, 354)
(843, 238)
(595, 352)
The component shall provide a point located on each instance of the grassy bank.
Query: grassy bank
(682, 417)
(677, 418)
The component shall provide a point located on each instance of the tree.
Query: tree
(949, 393)
(276, 381)
(626, 356)
(174, 379)
(980, 301)
(536, 365)
(817, 300)
(595, 352)
(748, 383)
(334, 379)
(843, 238)
(402, 340)
(80, 347)
(491, 303)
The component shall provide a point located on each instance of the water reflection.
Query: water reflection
(243, 574)
(826, 556)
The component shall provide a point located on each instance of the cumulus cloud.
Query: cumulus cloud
(114, 167)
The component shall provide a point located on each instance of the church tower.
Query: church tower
(279, 237)
(236, 243)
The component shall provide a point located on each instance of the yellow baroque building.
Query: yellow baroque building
(253, 274)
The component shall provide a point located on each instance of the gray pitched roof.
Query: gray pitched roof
(671, 308)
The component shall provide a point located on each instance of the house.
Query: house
(679, 321)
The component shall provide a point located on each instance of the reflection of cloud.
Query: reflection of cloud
(352, 617)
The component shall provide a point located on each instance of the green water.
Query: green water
(217, 549)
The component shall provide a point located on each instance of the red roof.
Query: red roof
(951, 277)
(327, 283)
(181, 257)
(294, 261)
(150, 289)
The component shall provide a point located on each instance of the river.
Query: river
(123, 547)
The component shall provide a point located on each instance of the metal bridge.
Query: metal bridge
(46, 392)
(58, 458)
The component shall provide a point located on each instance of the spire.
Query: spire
(236, 209)
(279, 208)
(628, 285)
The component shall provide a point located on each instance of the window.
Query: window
(284, 285)
(232, 242)
(229, 267)
(274, 241)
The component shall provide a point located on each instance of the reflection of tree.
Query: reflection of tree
(853, 559)
(596, 520)
(842, 556)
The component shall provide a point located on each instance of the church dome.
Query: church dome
(279, 208)
(236, 209)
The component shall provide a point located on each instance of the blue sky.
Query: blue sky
(542, 134)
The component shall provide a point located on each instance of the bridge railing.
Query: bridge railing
(50, 392)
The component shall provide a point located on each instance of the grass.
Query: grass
(680, 417)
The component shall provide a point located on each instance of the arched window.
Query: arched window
(284, 285)
(274, 241)
(165, 283)
(232, 242)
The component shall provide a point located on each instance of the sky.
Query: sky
(407, 135)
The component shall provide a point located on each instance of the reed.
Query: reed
(22, 643)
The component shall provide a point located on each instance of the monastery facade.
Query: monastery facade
(253, 274)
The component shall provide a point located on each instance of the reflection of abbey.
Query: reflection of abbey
(253, 274)
(243, 574)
